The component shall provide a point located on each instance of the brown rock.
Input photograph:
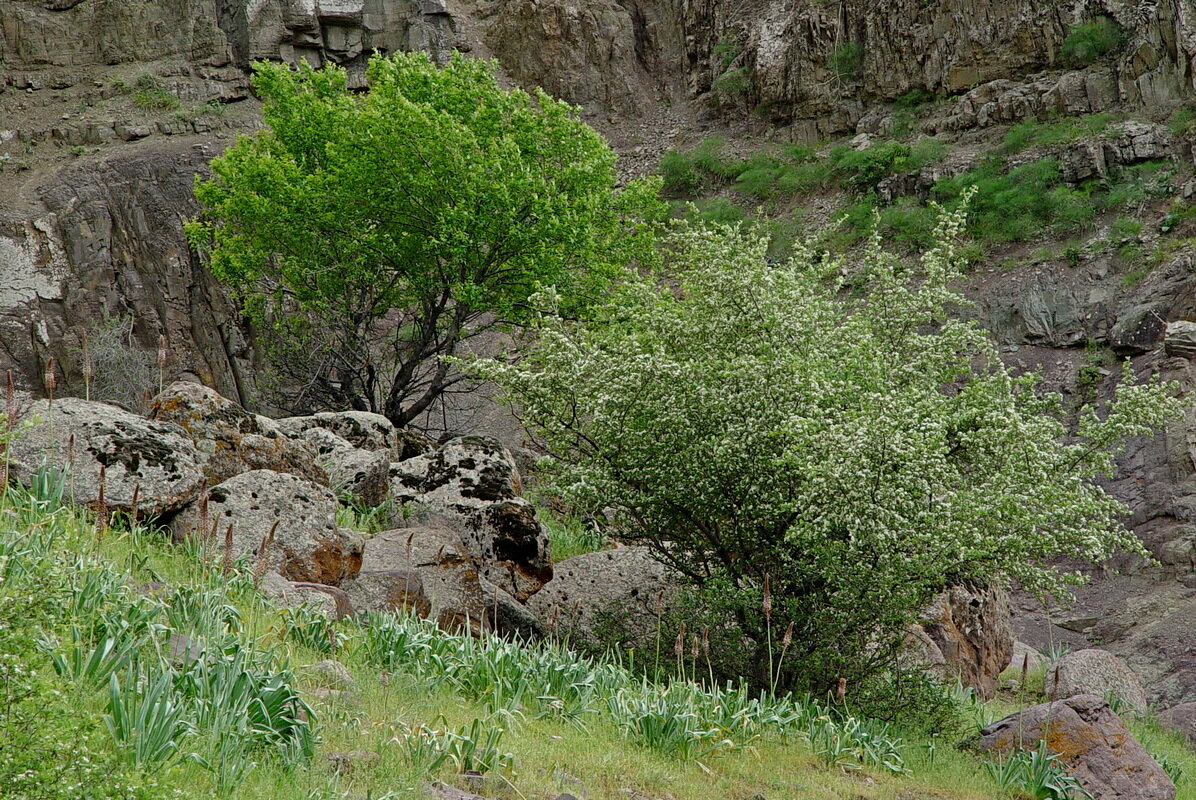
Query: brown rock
(389, 590)
(1091, 741)
(972, 633)
(448, 573)
(1181, 719)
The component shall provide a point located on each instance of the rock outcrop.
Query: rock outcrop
(473, 479)
(154, 461)
(969, 635)
(1092, 742)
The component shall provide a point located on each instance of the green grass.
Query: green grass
(1036, 133)
(537, 719)
(570, 536)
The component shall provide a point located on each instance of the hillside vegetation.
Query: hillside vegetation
(103, 698)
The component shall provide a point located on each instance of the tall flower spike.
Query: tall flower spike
(262, 562)
(226, 564)
(102, 505)
(133, 503)
(50, 379)
(767, 599)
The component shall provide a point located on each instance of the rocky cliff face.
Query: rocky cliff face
(109, 108)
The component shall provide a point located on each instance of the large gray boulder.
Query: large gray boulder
(473, 481)
(308, 546)
(968, 633)
(230, 439)
(157, 460)
(446, 570)
(387, 591)
(596, 595)
(1098, 672)
(1093, 744)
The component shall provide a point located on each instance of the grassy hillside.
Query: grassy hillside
(101, 698)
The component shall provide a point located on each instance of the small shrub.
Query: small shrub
(149, 95)
(863, 169)
(726, 51)
(1092, 41)
(681, 177)
(124, 370)
(915, 98)
(731, 88)
(845, 62)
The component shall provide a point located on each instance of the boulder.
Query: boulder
(363, 475)
(388, 590)
(466, 474)
(971, 634)
(591, 595)
(1181, 719)
(1025, 656)
(1180, 339)
(308, 546)
(361, 429)
(157, 460)
(507, 616)
(1098, 672)
(473, 480)
(1093, 744)
(229, 438)
(1138, 329)
(331, 673)
(329, 600)
(448, 573)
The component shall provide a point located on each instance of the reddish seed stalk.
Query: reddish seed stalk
(226, 564)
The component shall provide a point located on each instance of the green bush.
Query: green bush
(845, 62)
(1092, 41)
(731, 88)
(1019, 204)
(743, 445)
(863, 169)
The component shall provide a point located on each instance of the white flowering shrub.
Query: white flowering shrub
(750, 420)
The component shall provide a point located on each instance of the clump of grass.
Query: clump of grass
(149, 95)
(1183, 119)
(571, 536)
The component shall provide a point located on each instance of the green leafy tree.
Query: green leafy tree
(754, 426)
(371, 234)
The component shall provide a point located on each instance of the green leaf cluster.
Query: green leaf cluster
(403, 220)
